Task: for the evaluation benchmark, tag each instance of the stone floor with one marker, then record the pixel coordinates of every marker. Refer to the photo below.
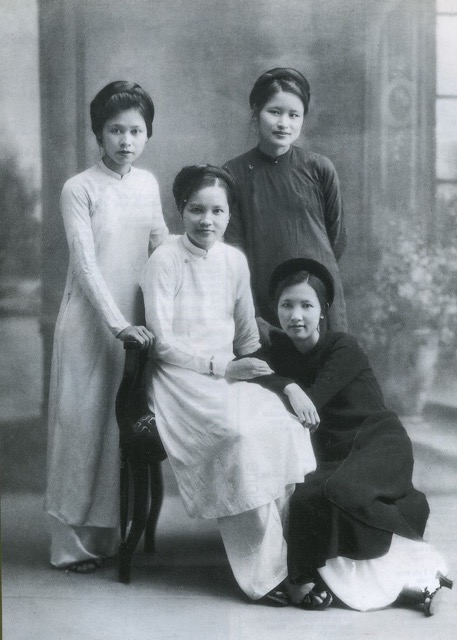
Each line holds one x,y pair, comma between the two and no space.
186,591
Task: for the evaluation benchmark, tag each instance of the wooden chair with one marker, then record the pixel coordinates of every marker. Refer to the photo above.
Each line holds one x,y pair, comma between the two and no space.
141,486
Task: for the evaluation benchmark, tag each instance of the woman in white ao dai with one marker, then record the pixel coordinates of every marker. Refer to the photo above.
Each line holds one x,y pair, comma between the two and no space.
234,448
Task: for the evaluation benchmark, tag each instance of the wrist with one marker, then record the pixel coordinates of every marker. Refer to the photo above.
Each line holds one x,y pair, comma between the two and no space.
290,388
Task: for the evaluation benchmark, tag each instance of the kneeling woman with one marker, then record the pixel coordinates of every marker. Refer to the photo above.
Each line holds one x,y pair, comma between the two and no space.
357,522
235,450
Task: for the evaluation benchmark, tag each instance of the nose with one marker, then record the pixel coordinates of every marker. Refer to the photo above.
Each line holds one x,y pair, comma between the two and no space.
283,121
206,219
296,313
125,140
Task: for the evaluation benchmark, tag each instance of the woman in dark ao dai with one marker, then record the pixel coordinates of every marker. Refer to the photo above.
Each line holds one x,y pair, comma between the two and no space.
356,523
289,198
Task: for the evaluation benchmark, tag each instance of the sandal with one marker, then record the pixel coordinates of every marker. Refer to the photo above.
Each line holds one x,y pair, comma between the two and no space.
317,599
85,566
277,597
429,597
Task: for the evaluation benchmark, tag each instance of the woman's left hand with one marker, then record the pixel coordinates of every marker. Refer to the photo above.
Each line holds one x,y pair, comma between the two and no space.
303,407
247,368
137,333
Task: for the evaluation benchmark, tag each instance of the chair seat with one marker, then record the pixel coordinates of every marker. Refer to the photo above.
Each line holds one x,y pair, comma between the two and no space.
143,439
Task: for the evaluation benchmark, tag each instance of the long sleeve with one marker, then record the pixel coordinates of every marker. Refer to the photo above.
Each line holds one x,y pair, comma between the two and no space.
160,280
159,230
246,331
334,220
75,208
235,233
343,363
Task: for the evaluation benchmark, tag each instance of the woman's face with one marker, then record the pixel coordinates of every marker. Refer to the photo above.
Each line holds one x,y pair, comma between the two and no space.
123,138
206,216
279,123
299,313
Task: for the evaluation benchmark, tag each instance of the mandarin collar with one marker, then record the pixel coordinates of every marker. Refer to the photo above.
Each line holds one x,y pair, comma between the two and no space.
314,349
102,166
192,248
274,159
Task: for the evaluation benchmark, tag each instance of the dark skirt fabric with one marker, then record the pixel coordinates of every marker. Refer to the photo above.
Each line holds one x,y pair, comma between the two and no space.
351,507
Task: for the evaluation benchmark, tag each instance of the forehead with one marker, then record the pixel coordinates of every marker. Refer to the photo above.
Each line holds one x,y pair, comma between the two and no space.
127,118
285,100
301,291
209,194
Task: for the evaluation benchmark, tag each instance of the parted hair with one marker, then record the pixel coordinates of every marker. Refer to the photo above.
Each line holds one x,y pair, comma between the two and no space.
120,96
298,270
194,177
279,79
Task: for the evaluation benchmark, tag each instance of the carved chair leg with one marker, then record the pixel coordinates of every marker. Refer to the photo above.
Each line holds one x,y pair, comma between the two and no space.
139,471
124,494
156,484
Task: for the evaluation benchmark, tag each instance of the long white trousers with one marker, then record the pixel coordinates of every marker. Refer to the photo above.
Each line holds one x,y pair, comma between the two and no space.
256,547
74,544
408,566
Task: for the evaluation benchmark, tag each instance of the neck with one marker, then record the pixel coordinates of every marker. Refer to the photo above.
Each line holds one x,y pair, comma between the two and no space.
306,345
120,170
271,150
199,246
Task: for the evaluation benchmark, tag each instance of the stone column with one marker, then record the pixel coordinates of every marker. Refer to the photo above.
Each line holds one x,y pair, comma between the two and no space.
62,81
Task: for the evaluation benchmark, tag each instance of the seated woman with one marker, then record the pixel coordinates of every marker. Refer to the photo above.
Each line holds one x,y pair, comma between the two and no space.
235,450
357,522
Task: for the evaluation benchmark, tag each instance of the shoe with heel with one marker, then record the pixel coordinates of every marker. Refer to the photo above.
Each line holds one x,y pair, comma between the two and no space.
431,597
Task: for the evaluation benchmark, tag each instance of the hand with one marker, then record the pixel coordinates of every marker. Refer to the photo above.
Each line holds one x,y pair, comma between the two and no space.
247,368
303,407
265,331
137,334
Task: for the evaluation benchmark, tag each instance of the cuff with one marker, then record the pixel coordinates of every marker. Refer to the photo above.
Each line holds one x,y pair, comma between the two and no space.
219,365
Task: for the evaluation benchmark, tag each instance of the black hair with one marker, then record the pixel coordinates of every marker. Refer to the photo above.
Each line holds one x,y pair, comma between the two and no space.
194,177
120,96
297,278
275,80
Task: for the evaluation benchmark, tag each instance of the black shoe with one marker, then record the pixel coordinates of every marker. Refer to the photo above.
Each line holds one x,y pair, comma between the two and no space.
430,597
277,597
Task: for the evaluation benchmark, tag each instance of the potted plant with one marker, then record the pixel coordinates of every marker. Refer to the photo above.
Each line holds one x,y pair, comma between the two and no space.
407,311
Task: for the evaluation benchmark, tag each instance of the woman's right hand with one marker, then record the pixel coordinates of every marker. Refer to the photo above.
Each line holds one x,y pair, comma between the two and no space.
246,369
137,333
303,407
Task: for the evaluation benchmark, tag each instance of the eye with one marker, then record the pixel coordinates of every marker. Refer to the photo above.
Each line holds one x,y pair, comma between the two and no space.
114,130
294,115
135,132
274,112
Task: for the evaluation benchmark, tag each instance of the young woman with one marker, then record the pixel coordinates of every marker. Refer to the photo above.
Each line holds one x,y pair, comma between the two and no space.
113,219
235,450
289,198
357,522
